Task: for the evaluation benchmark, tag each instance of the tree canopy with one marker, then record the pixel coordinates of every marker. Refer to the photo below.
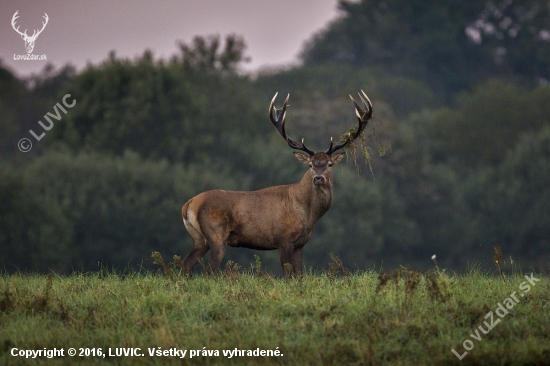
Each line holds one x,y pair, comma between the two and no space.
448,44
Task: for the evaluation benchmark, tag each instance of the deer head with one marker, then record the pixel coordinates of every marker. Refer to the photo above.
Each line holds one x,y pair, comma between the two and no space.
29,40
320,163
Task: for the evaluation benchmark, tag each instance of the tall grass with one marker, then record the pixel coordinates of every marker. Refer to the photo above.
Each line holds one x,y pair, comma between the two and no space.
336,317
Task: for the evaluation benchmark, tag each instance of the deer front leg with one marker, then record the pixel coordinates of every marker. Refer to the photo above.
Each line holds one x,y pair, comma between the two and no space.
285,253
297,261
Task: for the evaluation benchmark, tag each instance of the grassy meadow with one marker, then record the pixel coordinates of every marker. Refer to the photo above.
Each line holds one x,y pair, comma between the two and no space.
336,317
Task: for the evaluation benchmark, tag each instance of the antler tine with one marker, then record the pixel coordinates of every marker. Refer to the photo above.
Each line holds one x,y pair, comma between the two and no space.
357,108
279,122
280,115
363,117
13,20
369,106
46,18
330,147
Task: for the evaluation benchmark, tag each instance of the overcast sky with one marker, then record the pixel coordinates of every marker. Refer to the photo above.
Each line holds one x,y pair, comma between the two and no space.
79,32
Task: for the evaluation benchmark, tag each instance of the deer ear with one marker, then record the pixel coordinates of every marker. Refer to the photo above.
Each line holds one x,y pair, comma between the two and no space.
302,157
337,157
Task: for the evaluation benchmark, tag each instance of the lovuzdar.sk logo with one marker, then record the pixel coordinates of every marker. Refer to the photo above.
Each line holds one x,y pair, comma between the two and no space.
29,40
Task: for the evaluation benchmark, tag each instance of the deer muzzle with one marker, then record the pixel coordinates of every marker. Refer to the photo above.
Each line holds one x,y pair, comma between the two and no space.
319,180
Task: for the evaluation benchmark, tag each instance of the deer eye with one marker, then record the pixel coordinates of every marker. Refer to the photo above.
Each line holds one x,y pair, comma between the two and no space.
330,164
310,165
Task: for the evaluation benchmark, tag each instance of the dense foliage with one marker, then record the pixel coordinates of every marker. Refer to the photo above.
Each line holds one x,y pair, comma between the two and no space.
469,142
449,44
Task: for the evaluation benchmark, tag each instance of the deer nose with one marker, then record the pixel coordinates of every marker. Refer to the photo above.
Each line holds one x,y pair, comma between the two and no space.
319,180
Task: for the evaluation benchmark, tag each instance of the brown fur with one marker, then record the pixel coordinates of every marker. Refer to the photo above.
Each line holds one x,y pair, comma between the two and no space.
280,217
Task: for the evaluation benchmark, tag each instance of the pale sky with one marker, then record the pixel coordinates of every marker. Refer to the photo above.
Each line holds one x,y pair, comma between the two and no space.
80,32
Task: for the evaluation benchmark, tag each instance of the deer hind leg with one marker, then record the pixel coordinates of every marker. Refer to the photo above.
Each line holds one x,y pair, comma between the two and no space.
216,236
191,259
216,224
216,257
200,245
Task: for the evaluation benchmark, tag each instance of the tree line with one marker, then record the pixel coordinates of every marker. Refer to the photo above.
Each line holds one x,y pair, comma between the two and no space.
467,170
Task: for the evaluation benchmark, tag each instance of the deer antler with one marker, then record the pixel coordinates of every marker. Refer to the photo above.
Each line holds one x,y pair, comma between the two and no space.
13,19
279,122
46,18
24,34
363,117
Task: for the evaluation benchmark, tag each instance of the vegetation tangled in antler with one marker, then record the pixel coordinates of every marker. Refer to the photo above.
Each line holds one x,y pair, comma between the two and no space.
357,138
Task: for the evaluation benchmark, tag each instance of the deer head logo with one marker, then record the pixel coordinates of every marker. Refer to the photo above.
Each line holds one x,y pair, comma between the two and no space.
29,41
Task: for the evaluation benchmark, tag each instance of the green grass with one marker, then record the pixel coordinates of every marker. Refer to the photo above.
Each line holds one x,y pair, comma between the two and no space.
400,318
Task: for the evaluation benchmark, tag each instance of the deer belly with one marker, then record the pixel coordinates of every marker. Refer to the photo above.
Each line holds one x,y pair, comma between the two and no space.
258,242
255,238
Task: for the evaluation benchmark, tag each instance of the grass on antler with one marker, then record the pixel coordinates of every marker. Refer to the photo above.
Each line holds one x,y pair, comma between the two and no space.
361,144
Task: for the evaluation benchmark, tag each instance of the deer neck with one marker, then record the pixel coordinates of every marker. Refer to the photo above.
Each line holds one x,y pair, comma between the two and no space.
313,200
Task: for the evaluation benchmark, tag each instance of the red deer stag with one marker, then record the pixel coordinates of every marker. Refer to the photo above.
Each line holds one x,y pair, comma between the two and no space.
280,217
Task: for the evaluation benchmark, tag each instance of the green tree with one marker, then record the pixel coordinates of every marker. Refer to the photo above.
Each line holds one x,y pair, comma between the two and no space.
510,204
429,193
488,123
129,105
34,233
204,55
12,94
448,44
121,209
182,110
515,37
366,222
